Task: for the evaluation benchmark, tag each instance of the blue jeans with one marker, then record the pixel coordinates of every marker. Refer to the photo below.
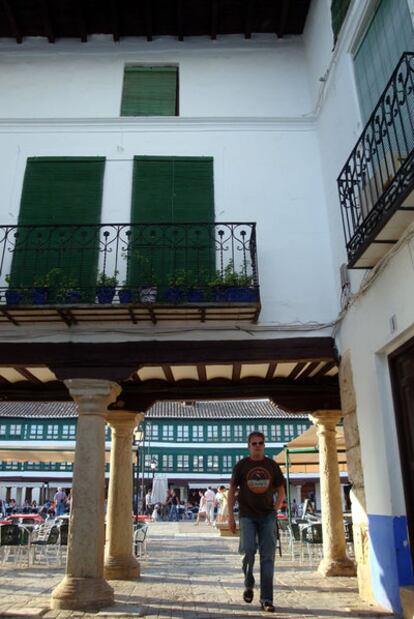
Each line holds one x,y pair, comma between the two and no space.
173,513
259,533
60,508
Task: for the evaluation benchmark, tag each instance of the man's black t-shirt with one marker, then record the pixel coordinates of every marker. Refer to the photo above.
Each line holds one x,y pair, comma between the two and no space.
257,481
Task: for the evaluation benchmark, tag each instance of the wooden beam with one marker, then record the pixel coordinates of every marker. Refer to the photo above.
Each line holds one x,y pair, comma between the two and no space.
283,18
296,370
168,373
247,19
114,19
180,20
27,374
325,369
148,19
312,366
83,32
47,21
201,371
17,33
236,372
271,370
214,19
291,395
122,355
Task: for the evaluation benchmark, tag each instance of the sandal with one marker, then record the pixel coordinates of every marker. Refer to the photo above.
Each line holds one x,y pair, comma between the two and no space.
267,607
248,595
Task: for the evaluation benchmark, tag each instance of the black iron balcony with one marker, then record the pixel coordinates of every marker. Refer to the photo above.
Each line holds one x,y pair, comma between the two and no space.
134,272
377,181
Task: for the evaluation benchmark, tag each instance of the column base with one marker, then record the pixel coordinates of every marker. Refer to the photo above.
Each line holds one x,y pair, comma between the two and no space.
343,567
74,593
122,567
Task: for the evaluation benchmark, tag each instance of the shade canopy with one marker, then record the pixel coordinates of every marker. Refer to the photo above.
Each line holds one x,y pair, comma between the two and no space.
305,460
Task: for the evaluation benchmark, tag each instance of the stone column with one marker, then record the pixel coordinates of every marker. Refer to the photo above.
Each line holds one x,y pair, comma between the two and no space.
335,561
84,587
120,563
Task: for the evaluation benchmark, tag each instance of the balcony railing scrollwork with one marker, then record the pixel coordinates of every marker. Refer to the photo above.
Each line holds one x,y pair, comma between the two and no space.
129,264
379,173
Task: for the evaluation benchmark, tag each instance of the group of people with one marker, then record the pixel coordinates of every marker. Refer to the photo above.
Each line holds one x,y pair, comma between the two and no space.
213,506
48,509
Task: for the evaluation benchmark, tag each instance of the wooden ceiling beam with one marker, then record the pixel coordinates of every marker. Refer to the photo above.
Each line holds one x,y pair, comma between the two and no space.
180,20
247,19
236,372
281,29
325,369
214,19
114,20
47,21
168,373
202,373
312,366
271,370
83,31
27,374
148,19
17,33
296,370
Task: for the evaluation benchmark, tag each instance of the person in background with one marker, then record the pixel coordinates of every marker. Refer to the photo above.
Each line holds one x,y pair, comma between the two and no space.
261,492
221,500
210,498
201,507
60,499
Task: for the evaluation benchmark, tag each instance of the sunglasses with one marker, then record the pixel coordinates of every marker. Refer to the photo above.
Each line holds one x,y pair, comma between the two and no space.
257,443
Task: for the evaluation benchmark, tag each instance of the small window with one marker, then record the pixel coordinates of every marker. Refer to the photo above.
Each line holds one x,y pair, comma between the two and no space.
213,463
212,433
36,431
2,430
227,463
68,431
150,91
167,462
52,431
15,429
198,463
226,432
198,433
182,433
183,462
168,433
276,432
238,433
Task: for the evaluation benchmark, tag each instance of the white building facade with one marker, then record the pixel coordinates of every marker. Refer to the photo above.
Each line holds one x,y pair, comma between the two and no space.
277,118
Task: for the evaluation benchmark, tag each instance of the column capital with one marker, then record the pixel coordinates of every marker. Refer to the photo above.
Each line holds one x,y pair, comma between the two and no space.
326,418
123,420
92,396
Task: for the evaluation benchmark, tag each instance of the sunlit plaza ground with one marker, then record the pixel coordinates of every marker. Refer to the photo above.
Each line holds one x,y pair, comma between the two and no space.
191,572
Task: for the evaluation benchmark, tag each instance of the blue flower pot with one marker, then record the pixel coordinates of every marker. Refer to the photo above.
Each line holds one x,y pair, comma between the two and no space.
39,296
195,295
105,294
73,296
125,296
13,297
174,294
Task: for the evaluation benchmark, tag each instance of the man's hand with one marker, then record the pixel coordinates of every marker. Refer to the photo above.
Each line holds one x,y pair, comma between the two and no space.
232,523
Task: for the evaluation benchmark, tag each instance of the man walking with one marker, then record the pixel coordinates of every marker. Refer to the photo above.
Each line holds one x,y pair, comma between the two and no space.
261,493
210,498
60,499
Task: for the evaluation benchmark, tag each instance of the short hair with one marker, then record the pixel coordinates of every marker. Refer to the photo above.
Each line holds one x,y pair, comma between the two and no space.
253,434
222,487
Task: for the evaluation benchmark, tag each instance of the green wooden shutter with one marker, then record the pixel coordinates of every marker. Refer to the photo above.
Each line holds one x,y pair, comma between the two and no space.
389,34
59,191
149,91
339,9
173,190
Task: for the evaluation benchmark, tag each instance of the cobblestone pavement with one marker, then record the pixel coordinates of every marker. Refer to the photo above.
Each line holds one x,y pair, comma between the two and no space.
191,573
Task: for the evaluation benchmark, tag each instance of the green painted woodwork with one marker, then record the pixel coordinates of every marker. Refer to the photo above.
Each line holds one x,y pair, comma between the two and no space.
171,190
389,34
56,191
150,91
339,9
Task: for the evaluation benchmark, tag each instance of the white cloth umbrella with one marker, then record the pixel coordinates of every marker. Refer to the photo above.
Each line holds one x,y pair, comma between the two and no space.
159,490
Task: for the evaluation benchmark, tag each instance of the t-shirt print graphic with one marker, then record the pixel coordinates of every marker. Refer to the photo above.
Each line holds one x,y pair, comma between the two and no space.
258,480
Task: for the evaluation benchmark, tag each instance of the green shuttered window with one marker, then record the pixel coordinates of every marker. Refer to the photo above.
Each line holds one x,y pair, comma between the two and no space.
150,91
339,9
59,190
174,190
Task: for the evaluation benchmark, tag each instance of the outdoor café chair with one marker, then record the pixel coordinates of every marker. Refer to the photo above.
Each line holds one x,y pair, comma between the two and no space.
311,539
14,541
45,544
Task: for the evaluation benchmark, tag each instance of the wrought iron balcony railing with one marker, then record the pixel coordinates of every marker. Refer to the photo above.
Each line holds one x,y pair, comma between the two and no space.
378,176
203,263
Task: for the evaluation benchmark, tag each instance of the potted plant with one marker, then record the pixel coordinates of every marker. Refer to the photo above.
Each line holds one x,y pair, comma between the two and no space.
13,296
176,286
45,286
125,293
195,288
105,287
232,286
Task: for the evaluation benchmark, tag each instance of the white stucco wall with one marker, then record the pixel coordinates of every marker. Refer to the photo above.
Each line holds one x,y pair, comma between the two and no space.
266,154
264,76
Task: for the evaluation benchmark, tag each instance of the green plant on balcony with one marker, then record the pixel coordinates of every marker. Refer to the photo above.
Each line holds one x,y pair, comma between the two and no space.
55,286
231,285
105,286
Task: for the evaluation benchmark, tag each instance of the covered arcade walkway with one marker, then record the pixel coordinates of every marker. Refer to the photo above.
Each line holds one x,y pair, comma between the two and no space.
191,573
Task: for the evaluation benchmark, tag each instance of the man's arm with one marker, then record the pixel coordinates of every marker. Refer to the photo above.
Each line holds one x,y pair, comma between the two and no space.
230,505
280,491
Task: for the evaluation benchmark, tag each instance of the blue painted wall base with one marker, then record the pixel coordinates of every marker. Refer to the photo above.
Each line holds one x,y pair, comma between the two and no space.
390,559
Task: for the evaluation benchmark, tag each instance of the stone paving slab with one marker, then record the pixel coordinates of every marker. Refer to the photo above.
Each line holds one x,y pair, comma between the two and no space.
191,573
